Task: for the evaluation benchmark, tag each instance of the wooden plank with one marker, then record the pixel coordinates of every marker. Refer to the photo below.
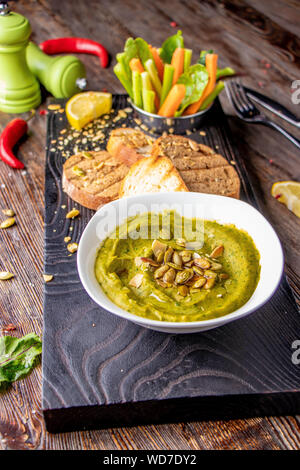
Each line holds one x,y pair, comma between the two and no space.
21,423
101,371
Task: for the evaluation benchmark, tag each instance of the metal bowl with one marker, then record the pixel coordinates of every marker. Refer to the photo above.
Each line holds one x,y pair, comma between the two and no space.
178,125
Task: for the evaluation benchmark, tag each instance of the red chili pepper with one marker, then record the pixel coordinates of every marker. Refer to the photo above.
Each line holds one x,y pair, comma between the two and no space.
73,45
8,139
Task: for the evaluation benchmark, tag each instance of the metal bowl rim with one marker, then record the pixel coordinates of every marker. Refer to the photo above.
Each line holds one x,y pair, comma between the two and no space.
156,116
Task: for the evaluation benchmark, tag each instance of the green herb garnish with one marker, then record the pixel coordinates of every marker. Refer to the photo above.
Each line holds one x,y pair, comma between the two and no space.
18,356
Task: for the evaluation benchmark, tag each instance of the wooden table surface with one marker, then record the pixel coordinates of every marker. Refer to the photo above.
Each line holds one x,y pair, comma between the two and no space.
259,39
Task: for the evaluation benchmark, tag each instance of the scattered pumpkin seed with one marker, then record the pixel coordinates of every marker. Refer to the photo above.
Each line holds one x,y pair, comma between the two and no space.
54,107
8,212
8,222
67,239
72,247
47,277
5,275
72,214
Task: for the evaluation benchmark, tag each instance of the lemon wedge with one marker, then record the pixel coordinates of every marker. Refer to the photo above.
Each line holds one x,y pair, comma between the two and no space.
87,106
288,192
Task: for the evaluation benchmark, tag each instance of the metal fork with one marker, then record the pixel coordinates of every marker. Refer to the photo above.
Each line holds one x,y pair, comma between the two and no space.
248,112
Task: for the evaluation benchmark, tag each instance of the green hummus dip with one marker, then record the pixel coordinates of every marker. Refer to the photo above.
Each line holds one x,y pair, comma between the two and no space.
124,268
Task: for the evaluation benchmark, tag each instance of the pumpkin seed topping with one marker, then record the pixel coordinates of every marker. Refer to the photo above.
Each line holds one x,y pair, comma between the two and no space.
186,270
218,251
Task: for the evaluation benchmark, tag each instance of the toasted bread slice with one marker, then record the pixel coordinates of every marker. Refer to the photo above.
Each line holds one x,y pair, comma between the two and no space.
129,145
200,167
93,181
152,175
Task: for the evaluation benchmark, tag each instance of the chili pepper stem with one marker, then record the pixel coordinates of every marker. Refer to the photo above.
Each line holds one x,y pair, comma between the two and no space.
33,113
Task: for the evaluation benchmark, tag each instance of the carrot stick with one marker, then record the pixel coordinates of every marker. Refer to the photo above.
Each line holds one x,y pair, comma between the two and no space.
136,65
172,101
158,62
178,63
211,61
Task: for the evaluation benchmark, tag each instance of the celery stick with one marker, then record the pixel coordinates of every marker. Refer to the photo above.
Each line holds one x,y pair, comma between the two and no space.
121,58
167,82
187,59
148,100
227,72
137,89
218,88
151,69
121,74
146,82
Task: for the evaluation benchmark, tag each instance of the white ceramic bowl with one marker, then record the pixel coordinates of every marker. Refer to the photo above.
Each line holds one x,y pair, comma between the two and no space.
221,209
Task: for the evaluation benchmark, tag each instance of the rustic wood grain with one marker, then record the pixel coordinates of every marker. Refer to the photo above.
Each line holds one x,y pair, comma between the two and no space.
240,43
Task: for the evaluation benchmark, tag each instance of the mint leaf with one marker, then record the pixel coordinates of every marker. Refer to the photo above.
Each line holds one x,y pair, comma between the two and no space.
169,46
143,50
203,55
18,356
136,48
195,80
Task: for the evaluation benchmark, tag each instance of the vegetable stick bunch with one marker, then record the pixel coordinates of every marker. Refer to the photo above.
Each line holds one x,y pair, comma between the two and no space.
163,81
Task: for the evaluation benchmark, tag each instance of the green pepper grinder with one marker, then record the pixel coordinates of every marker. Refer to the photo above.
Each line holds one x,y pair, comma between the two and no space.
19,89
62,76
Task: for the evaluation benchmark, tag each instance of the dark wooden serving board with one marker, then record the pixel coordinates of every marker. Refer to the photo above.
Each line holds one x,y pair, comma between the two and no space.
103,371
